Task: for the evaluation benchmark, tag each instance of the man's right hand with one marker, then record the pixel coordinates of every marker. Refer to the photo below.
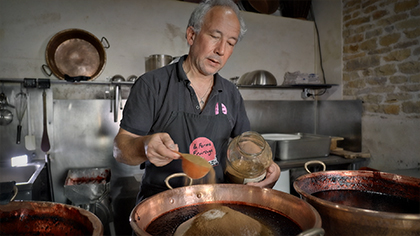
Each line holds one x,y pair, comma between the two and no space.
159,149
132,149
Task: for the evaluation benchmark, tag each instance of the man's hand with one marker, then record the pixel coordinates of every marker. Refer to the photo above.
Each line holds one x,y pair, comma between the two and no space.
132,149
159,149
273,174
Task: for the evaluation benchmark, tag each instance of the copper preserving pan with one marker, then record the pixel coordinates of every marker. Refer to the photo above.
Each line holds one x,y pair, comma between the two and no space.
175,202
345,218
261,6
75,53
47,218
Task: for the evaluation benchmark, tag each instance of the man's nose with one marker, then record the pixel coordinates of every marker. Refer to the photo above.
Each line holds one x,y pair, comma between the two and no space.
220,48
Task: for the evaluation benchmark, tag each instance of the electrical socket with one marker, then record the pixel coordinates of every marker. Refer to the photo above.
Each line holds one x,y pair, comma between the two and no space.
305,93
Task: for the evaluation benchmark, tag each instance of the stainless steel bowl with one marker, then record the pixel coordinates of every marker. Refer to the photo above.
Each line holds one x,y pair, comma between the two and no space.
258,77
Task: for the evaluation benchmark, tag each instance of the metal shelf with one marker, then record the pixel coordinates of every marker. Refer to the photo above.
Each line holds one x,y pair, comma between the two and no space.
71,83
294,86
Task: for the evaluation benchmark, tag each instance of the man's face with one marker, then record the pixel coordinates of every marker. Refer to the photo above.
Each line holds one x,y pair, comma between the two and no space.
213,45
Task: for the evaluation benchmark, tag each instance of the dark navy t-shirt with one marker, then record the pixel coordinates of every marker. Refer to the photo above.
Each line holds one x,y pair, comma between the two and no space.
154,96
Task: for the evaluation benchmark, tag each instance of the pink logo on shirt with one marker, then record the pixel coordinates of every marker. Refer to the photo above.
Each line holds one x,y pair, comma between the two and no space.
204,148
216,109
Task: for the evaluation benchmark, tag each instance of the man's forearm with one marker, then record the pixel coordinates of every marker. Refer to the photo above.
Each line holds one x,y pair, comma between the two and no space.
129,149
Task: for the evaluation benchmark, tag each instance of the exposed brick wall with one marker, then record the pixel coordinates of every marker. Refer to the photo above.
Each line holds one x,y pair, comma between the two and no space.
381,55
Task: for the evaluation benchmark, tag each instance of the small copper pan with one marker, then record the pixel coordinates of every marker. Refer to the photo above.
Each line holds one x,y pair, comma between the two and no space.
75,53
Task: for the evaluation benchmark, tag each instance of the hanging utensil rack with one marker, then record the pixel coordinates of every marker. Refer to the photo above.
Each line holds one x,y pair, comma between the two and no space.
34,82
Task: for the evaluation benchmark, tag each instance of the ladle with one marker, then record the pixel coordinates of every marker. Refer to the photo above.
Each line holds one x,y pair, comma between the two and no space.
194,166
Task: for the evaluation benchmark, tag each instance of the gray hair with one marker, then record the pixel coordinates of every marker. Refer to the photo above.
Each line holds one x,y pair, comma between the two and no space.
197,16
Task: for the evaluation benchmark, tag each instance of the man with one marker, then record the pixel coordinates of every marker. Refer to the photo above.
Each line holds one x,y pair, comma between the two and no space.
187,106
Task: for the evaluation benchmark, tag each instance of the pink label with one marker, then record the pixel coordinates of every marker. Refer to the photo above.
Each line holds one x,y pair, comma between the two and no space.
204,148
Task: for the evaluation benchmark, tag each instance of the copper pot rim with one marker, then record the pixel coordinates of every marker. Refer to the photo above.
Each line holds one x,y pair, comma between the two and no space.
36,205
214,193
74,34
343,208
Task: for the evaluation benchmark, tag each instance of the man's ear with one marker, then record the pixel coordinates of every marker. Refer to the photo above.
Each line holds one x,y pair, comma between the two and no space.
190,35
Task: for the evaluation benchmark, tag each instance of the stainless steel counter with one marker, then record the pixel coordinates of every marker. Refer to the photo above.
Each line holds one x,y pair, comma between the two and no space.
415,172
331,160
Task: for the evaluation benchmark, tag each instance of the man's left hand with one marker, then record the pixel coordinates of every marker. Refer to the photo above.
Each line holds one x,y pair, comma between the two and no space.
273,174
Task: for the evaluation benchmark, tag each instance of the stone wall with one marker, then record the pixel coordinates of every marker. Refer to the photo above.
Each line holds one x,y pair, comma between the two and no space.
381,66
381,55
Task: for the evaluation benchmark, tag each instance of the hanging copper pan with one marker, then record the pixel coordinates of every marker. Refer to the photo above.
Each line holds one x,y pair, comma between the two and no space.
162,213
261,6
75,53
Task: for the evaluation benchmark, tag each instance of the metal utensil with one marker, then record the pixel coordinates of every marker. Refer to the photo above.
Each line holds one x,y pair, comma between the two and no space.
117,95
30,138
21,104
45,141
6,116
194,166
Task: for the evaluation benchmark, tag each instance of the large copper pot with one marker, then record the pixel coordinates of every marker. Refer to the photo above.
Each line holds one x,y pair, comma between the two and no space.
304,215
47,218
339,219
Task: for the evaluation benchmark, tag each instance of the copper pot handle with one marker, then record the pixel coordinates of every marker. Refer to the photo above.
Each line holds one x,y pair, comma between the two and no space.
45,69
315,162
105,43
313,232
177,175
